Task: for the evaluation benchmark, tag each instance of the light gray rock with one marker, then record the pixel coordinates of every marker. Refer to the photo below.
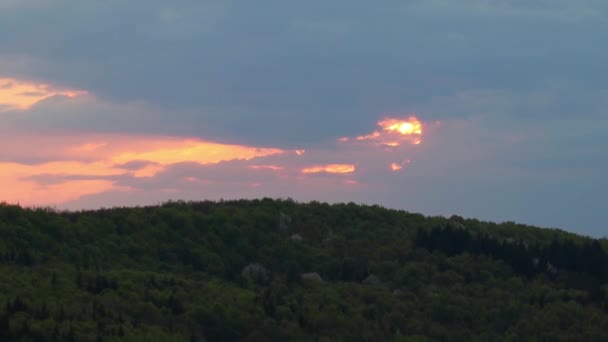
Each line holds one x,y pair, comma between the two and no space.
456,225
371,280
255,271
551,269
313,277
296,238
284,221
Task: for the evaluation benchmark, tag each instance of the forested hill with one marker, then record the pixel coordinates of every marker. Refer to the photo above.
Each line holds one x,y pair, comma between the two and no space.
277,270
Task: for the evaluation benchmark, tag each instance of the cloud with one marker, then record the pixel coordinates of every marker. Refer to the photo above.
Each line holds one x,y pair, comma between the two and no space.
476,167
517,86
174,165
21,95
252,73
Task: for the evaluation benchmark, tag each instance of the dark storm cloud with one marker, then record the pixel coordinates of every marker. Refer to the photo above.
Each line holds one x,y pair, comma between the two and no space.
254,71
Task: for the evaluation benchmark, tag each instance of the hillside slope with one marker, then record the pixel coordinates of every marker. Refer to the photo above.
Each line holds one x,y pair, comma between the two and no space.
279,270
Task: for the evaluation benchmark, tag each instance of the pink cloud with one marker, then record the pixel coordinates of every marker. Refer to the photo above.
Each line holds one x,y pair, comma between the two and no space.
21,95
72,168
64,170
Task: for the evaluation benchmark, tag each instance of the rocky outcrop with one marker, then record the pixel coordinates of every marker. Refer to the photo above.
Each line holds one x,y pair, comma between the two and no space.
371,280
284,221
456,225
312,277
255,272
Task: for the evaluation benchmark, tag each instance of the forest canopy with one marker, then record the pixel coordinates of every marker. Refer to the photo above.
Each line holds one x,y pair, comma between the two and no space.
264,270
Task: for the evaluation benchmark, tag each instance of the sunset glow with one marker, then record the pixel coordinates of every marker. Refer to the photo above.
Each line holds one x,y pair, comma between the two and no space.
21,95
267,167
197,151
369,136
399,166
216,100
91,164
330,168
20,183
68,166
394,132
406,127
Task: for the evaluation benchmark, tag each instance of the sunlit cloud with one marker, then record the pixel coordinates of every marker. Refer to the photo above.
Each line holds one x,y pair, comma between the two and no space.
55,168
399,166
396,137
89,147
330,168
86,165
394,132
19,183
21,95
405,127
100,163
197,151
267,167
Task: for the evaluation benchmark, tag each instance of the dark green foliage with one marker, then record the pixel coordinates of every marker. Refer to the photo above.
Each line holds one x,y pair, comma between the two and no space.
175,273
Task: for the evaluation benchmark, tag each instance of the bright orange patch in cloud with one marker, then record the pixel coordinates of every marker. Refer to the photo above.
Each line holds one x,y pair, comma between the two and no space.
399,166
300,152
330,168
406,127
394,132
267,167
22,95
196,151
369,136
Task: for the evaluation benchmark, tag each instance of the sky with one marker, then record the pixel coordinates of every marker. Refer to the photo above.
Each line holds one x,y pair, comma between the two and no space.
490,109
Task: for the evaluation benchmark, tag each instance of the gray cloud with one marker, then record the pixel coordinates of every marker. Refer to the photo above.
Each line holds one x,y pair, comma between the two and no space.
519,85
254,71
135,165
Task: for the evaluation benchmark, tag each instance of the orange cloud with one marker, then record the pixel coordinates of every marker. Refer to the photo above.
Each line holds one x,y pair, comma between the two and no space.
88,163
399,166
330,168
267,167
367,137
196,151
406,127
21,95
394,132
89,147
17,185
54,169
